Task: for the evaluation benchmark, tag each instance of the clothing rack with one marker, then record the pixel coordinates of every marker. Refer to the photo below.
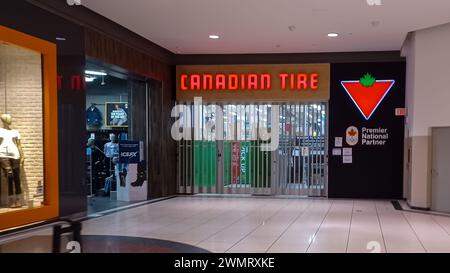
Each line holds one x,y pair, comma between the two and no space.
91,195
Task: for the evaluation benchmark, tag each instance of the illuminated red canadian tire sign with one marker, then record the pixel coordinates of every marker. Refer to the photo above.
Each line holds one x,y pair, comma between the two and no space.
367,93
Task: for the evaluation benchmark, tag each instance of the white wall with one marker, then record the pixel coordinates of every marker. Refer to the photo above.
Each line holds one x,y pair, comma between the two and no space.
428,80
427,99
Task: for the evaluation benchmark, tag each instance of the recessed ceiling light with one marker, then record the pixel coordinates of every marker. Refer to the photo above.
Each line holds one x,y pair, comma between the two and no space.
60,38
333,35
214,36
374,2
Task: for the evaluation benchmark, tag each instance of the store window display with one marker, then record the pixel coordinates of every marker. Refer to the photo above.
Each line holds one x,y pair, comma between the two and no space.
29,182
101,162
11,160
107,120
122,100
21,132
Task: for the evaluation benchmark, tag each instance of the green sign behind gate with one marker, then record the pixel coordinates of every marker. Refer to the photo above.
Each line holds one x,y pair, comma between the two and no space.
205,164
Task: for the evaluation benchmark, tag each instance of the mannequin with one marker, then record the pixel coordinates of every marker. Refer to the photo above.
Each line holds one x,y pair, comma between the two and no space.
111,148
11,159
91,145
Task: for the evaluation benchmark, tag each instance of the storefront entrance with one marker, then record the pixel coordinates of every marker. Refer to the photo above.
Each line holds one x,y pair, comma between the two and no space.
237,163
117,149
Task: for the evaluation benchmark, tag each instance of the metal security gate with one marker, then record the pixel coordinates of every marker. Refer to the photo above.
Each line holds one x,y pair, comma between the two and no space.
221,150
197,151
246,168
302,153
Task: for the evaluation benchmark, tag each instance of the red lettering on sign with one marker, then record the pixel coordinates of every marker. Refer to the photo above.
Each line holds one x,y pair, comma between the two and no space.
302,81
75,82
59,79
195,82
266,82
233,82
220,82
292,82
243,82
283,78
208,81
252,82
183,82
314,81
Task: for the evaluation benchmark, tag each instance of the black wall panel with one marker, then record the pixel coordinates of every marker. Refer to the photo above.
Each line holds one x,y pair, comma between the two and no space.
377,170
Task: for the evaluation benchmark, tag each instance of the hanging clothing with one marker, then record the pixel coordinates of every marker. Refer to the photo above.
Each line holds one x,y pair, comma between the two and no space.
94,117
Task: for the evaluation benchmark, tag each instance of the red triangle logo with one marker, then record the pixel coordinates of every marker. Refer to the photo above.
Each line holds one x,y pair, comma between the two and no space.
367,99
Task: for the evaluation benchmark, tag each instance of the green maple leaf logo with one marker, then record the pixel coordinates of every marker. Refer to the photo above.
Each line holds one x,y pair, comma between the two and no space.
367,80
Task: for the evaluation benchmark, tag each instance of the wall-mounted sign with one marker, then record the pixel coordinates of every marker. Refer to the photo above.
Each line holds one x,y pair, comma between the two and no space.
288,82
352,135
374,136
401,112
347,159
338,141
361,110
347,151
367,93
116,114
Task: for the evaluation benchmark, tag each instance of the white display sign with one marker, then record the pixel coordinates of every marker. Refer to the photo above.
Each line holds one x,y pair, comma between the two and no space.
338,141
347,151
131,182
305,151
347,159
337,151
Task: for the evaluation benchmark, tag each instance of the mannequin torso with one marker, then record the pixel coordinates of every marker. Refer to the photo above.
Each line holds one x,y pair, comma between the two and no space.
9,143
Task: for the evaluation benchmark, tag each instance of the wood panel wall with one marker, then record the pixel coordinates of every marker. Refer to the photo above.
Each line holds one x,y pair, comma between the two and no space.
162,148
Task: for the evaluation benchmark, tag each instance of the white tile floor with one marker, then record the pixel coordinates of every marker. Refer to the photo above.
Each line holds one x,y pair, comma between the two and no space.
280,225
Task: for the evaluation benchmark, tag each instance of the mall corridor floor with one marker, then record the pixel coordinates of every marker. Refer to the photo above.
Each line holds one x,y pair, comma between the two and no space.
257,224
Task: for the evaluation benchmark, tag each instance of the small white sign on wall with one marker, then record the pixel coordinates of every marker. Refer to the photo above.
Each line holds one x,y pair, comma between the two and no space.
347,159
337,151
347,151
338,141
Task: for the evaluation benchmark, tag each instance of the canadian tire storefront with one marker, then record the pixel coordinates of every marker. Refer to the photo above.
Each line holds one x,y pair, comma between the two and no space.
330,130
